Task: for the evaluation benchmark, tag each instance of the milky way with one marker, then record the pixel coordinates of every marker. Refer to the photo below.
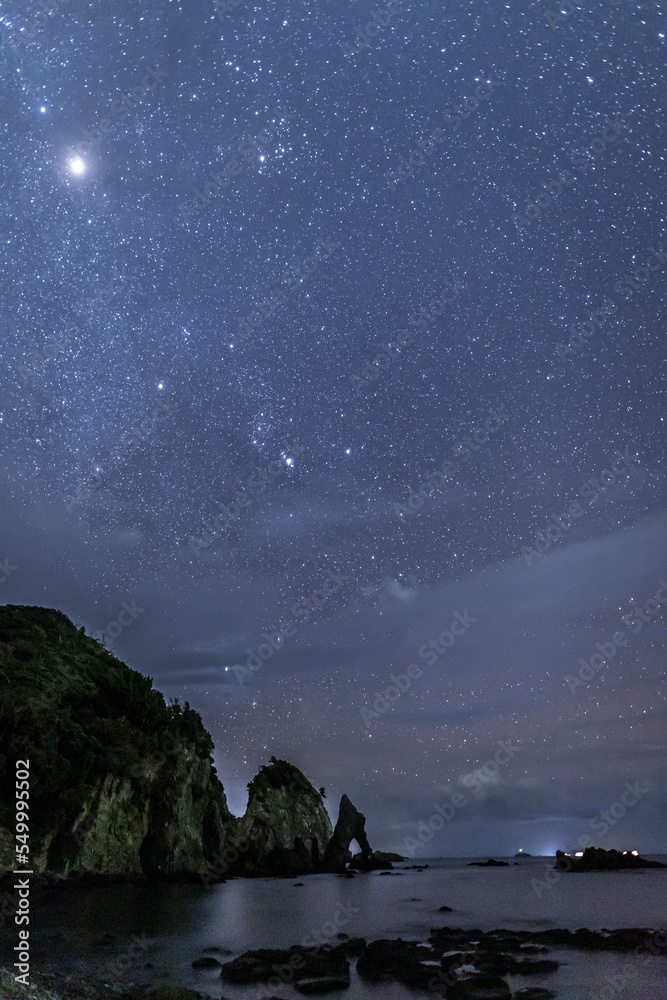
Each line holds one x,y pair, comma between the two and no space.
333,394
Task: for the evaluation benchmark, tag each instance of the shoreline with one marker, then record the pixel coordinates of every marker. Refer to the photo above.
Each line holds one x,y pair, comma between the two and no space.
451,955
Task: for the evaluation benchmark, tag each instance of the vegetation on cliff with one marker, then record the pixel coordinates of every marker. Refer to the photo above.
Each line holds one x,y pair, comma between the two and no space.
280,774
80,715
122,783
76,711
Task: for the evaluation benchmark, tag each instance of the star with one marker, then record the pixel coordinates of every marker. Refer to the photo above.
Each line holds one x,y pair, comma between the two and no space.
77,165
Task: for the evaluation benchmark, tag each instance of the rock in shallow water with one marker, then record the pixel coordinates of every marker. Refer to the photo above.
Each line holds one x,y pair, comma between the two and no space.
207,962
161,993
296,963
255,966
480,988
322,984
404,961
539,967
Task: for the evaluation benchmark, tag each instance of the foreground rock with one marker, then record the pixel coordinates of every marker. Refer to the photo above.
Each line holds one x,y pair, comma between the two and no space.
596,859
523,942
323,984
480,988
296,965
444,965
406,962
161,993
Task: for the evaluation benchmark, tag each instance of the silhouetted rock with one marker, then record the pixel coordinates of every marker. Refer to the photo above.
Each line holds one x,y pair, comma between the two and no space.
500,941
160,993
285,823
596,859
480,988
353,946
383,856
351,825
255,966
538,968
491,863
305,964
207,962
445,909
405,962
322,984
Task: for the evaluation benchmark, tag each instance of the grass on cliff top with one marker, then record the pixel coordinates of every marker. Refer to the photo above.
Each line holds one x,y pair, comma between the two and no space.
77,713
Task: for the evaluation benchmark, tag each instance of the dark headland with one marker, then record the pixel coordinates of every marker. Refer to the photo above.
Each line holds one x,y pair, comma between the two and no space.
123,785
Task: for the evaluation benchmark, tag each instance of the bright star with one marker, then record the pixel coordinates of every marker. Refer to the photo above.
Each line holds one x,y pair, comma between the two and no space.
77,165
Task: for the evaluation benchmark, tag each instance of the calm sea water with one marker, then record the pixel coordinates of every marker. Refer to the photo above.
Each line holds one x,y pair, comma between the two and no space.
102,929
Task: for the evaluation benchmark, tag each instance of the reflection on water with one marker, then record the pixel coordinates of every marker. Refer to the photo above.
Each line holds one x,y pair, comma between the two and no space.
119,930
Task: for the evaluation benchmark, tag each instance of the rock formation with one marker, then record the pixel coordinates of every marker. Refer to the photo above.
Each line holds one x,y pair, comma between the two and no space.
121,784
596,859
286,822
351,825
491,863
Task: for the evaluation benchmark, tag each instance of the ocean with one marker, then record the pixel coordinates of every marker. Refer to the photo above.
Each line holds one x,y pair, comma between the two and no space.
152,933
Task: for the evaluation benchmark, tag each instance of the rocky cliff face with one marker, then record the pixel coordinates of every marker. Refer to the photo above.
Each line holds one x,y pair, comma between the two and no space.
120,783
286,820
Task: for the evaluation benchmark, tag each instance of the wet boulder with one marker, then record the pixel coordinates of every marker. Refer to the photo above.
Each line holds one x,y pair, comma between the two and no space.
255,966
480,987
322,984
405,962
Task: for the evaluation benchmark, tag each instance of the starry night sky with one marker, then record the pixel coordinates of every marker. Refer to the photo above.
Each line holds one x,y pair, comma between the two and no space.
215,217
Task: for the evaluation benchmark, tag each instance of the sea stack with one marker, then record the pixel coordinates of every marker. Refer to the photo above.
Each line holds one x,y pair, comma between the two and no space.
286,822
351,825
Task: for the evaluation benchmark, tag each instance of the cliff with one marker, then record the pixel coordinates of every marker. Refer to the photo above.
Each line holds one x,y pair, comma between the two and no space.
121,783
286,821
